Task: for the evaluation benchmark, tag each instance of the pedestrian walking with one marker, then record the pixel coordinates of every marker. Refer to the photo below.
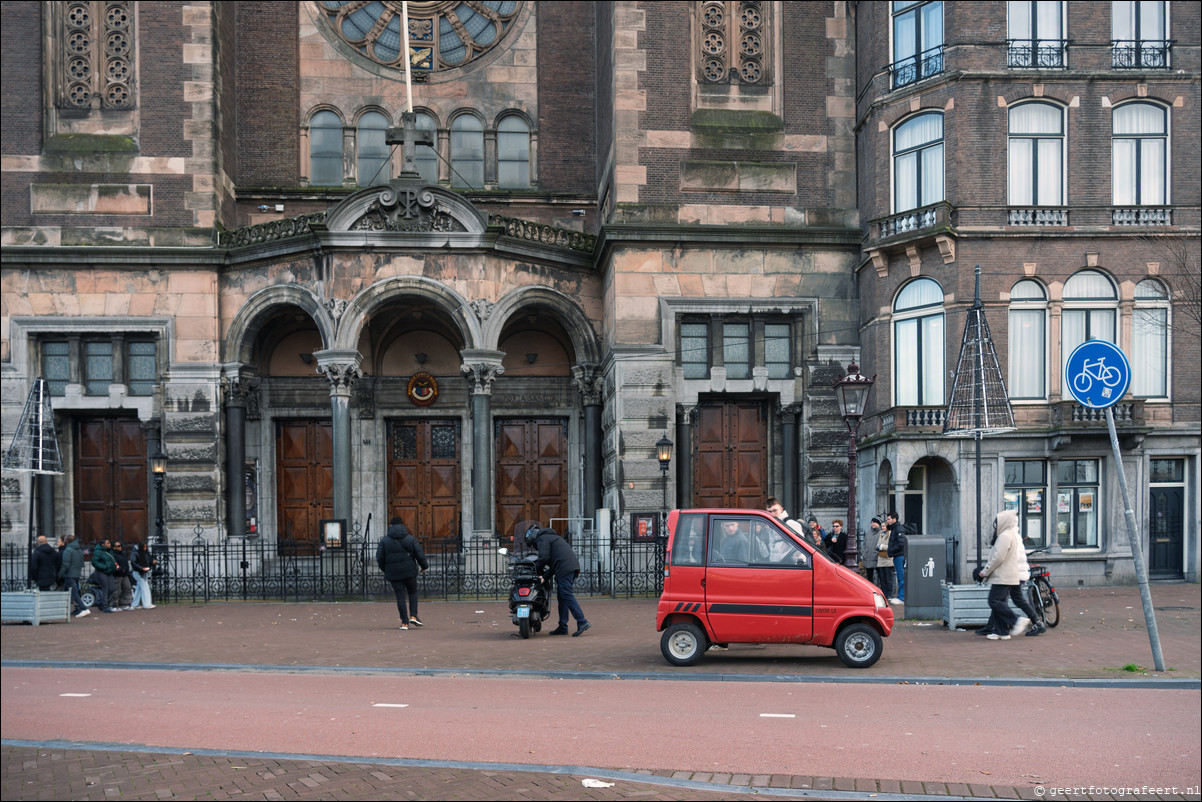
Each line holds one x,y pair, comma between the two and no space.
43,565
1003,571
400,557
556,553
141,564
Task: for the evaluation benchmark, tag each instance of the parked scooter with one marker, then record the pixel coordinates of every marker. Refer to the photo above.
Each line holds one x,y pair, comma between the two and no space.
529,602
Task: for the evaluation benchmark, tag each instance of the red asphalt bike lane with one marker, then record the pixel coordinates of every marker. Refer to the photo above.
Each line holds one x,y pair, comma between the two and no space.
1018,736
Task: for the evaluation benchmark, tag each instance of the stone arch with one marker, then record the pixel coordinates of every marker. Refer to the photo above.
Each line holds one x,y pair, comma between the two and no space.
245,327
421,204
360,309
562,308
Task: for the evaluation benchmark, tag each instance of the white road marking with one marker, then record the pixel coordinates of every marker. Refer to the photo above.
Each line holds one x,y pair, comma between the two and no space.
778,715
385,704
77,695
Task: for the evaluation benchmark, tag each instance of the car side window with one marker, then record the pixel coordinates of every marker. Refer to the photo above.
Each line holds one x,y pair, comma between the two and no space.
688,545
729,541
780,549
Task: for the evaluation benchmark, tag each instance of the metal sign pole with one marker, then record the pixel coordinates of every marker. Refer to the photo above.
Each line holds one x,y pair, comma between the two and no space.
1137,554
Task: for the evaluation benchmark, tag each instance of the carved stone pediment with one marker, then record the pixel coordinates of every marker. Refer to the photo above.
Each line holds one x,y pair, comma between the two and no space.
406,205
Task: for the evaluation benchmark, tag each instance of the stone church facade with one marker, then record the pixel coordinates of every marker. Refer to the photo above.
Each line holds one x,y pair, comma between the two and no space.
604,224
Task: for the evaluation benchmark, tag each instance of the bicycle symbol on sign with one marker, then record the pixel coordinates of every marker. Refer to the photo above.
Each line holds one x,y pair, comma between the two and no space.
1097,370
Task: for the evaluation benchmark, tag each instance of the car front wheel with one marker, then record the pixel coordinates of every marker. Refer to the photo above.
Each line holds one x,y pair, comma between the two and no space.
858,646
683,643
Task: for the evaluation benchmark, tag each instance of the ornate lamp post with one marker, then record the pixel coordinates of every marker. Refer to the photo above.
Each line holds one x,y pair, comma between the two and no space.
663,452
852,392
158,466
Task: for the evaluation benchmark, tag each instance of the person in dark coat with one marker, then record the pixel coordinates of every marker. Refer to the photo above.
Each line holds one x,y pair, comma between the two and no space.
104,565
69,570
399,556
555,553
43,565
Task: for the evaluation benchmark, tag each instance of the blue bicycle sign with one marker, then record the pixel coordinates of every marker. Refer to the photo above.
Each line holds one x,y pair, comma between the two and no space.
1097,374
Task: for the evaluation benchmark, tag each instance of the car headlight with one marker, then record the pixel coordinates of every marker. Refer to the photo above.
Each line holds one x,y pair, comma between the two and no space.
879,601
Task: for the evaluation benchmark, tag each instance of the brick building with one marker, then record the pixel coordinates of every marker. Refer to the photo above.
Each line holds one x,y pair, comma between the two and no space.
226,238
1055,146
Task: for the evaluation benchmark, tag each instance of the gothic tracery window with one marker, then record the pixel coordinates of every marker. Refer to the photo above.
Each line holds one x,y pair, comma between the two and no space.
95,55
443,35
733,43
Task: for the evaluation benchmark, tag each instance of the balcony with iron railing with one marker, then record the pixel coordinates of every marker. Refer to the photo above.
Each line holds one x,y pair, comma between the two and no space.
1145,54
1040,54
914,68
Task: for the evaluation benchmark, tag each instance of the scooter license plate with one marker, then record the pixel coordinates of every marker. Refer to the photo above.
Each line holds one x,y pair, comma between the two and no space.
523,611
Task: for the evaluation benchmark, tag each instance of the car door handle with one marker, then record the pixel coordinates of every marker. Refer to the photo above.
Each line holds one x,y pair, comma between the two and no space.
702,581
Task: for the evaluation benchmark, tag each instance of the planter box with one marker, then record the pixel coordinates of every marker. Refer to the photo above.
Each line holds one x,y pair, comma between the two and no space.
35,607
965,605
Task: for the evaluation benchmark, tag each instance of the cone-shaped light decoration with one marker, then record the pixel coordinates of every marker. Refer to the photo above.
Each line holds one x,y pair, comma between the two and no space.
35,445
979,401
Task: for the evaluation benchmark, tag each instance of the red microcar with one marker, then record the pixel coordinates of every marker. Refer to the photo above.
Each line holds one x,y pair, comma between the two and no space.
742,576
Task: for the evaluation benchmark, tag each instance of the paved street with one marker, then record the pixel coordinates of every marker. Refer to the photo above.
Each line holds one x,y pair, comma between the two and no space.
1098,648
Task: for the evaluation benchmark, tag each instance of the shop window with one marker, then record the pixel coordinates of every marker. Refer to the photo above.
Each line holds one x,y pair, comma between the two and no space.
1077,503
1026,493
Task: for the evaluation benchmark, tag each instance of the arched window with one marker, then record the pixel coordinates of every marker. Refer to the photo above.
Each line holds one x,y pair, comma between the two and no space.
373,151
1090,304
325,149
467,152
1028,341
918,345
426,157
918,162
513,153
1150,341
1141,155
1036,155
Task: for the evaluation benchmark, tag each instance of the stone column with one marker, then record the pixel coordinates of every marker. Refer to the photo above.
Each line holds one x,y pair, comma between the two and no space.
790,455
587,380
341,368
481,368
685,422
235,389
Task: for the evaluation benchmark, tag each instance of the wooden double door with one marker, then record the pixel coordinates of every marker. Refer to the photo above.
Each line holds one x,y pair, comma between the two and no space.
304,480
531,472
731,454
111,480
424,473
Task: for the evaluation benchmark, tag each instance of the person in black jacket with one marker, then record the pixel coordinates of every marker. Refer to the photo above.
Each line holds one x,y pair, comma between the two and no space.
399,555
555,552
43,565
898,541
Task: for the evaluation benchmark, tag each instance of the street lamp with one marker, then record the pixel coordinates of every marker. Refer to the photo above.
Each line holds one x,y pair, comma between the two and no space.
663,452
852,392
158,466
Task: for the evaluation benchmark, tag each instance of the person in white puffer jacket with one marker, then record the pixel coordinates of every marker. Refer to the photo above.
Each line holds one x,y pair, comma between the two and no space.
1004,572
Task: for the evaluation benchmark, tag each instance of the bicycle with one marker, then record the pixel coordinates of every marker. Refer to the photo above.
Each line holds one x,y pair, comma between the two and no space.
1042,594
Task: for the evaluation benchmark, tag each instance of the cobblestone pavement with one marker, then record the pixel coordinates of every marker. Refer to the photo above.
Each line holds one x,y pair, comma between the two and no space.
1102,640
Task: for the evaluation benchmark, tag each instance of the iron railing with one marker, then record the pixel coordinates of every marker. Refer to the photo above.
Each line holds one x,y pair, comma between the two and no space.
914,68
260,569
1036,53
1147,54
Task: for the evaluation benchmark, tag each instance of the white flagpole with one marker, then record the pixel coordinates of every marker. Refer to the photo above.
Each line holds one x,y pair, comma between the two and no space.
405,50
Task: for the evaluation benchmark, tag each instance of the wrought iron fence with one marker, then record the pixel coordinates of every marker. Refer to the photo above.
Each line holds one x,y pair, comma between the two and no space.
197,571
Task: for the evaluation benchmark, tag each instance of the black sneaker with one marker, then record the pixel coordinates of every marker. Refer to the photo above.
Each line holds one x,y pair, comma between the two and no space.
580,630
1038,629
559,631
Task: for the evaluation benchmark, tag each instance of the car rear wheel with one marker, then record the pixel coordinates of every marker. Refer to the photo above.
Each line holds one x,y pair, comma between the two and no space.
683,643
858,646
88,597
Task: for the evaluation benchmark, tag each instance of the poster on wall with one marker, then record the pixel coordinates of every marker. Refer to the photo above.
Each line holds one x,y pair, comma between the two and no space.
1064,502
644,526
1010,500
1086,503
1034,502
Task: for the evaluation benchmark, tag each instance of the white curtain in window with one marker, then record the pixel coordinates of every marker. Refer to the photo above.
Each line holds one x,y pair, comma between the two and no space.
932,25
905,372
932,175
923,292
1123,20
1072,334
905,179
1088,284
1047,20
1051,170
1151,21
1027,353
1019,15
904,36
1149,344
1152,173
1022,164
1124,177
932,361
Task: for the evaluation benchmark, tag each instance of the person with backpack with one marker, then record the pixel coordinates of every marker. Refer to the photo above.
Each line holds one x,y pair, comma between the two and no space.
897,550
399,555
